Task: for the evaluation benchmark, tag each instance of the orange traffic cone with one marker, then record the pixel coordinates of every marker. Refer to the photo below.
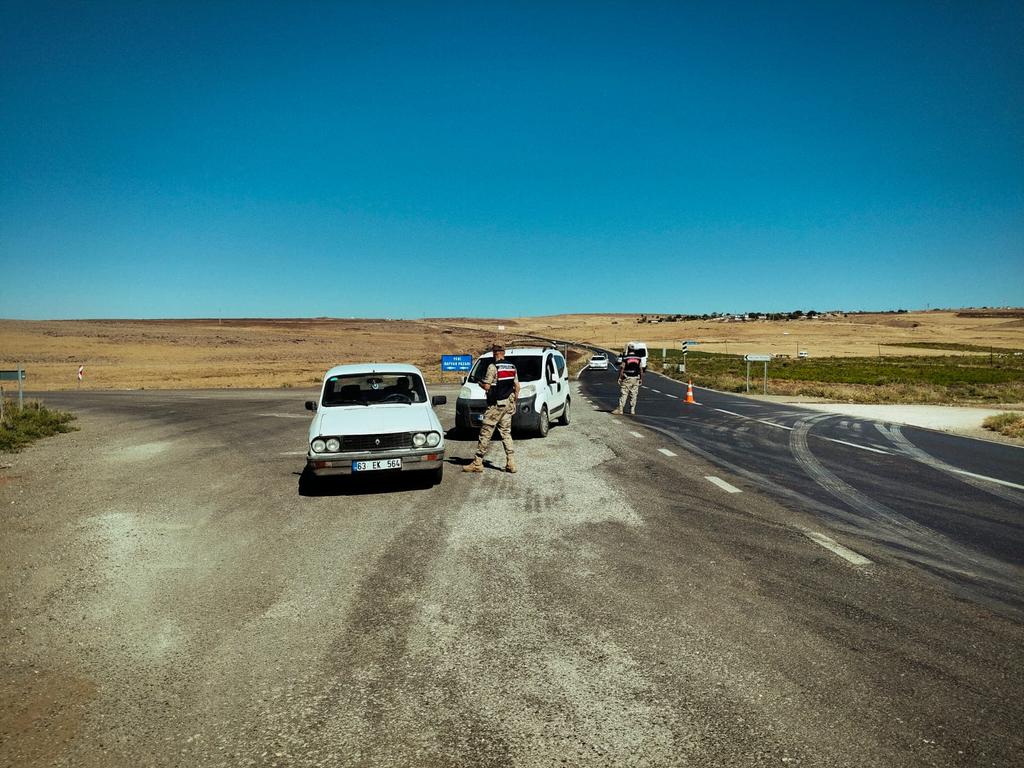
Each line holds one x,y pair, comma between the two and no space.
689,393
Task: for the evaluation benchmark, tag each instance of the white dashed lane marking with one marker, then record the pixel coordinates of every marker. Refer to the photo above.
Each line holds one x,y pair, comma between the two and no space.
722,484
666,451
833,546
674,397
656,390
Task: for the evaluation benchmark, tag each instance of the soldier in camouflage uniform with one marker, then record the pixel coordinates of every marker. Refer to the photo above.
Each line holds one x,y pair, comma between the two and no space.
631,374
501,383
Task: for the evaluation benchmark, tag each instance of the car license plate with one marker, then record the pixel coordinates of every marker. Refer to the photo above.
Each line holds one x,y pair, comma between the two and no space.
369,466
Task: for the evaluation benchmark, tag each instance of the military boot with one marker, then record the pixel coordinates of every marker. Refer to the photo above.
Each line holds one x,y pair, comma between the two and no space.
617,412
510,465
476,466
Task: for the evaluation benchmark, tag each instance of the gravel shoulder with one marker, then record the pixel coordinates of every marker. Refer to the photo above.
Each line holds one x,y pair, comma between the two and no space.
171,599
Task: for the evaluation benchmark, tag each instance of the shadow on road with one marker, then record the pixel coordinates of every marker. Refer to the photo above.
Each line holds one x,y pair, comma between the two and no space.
377,483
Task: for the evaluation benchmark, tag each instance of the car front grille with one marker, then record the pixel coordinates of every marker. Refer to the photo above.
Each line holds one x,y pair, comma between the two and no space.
376,442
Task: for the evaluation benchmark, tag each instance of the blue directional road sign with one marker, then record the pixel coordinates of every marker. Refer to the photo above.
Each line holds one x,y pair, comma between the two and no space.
456,362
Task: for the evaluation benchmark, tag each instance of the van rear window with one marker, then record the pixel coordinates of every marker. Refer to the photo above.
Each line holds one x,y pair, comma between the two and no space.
527,366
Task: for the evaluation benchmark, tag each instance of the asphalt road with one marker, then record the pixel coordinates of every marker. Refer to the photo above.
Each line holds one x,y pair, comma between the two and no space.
950,504
171,599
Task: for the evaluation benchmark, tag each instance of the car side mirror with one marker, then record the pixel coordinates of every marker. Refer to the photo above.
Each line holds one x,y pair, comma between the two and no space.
465,379
439,400
310,405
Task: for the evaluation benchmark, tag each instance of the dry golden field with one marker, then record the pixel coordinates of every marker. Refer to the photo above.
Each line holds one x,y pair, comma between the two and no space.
192,354
186,354
856,335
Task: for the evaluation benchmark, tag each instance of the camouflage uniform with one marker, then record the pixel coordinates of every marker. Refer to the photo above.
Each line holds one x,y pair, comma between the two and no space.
631,373
629,389
498,414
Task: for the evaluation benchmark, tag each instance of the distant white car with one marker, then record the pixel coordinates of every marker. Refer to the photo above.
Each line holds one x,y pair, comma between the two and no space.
375,417
598,362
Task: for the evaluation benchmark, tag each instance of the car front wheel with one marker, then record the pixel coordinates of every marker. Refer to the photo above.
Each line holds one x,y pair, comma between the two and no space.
564,418
544,425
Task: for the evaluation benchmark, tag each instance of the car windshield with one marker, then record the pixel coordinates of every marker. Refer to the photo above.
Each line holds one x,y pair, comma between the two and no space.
374,389
527,366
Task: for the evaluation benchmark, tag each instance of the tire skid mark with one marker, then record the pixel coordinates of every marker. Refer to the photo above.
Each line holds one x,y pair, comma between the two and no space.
922,544
895,436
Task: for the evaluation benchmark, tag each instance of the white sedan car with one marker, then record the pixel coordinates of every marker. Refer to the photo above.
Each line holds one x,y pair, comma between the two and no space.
599,362
375,418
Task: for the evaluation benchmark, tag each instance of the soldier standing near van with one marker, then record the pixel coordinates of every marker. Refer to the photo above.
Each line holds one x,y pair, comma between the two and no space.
631,374
501,383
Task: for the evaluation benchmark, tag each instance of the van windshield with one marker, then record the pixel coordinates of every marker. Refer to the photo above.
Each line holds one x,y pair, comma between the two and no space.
527,366
373,389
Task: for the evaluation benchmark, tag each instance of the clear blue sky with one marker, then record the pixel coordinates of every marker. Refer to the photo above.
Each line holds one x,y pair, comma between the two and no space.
203,159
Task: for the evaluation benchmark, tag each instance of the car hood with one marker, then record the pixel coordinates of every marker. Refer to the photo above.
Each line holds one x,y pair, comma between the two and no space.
373,419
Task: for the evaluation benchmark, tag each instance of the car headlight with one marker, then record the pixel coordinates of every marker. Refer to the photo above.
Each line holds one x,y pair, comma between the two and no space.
433,439
419,439
318,446
527,390
333,445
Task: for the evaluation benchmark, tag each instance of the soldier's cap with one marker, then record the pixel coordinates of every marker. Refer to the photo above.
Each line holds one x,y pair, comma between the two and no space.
496,347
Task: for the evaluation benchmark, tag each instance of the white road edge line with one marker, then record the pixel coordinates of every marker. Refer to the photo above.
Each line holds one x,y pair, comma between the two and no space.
636,434
854,445
666,451
773,424
989,479
833,546
830,439
720,410
722,484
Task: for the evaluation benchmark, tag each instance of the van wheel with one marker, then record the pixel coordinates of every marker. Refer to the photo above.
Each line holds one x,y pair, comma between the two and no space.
545,425
564,418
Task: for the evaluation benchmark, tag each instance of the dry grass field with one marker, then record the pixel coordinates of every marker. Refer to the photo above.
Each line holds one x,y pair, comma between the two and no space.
853,335
190,354
186,354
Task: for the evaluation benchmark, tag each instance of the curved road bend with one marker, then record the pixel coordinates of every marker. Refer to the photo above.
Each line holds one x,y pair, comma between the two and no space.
951,505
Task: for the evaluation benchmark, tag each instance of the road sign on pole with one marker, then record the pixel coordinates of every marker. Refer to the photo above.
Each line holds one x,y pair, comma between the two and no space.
758,359
18,375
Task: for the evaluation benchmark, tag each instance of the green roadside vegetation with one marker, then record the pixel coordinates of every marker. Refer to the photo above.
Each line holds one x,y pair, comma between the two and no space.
22,426
1009,424
941,379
